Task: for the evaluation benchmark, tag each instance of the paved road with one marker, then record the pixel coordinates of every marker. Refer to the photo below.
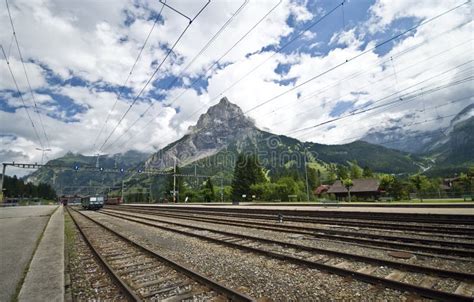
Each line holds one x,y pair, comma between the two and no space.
20,228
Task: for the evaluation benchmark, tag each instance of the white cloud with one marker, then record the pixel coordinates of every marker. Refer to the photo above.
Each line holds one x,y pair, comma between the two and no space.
91,41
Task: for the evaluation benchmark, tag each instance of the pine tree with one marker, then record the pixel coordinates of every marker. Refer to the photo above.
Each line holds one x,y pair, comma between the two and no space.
209,194
247,172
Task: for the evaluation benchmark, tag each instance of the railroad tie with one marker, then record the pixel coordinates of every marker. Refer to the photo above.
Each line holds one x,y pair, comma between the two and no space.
148,274
465,289
344,265
396,275
136,269
184,296
367,270
428,282
165,289
154,282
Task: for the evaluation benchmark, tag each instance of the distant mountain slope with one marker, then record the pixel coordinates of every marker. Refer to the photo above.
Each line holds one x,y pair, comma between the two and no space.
71,182
413,141
223,131
213,144
456,153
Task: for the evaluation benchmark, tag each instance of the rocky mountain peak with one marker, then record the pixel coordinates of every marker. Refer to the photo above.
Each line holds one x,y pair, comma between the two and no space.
223,115
222,124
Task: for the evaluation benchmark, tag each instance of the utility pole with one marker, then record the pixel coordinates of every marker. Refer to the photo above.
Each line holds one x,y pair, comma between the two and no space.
1,182
150,200
97,160
306,176
195,177
222,190
174,181
123,201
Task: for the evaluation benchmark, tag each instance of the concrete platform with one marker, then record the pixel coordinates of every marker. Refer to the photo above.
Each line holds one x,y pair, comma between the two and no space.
20,228
468,210
45,278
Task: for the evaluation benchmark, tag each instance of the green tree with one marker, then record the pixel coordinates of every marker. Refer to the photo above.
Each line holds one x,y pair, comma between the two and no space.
208,191
367,172
466,183
313,179
420,184
356,171
247,172
348,184
342,172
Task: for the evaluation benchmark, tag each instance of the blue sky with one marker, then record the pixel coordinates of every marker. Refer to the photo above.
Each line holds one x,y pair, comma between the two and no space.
78,56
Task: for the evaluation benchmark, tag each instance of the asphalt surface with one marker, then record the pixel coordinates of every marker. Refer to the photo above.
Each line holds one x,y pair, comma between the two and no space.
45,278
20,228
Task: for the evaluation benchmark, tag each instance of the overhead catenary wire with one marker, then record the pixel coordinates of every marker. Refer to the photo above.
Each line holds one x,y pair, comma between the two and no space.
388,142
405,98
21,97
412,123
152,76
395,37
181,73
122,87
360,72
256,67
33,97
326,88
353,58
280,49
214,64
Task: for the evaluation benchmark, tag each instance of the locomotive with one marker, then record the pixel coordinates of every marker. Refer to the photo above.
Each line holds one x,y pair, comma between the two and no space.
94,202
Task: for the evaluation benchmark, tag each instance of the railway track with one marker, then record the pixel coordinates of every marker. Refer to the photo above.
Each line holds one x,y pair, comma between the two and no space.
432,228
433,283
373,216
145,275
89,280
440,247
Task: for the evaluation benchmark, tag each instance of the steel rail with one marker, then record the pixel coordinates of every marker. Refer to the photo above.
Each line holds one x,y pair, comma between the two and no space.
395,217
220,288
347,236
379,225
423,291
127,290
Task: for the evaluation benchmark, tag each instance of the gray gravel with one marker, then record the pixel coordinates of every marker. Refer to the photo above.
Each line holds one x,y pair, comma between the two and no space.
89,281
258,276
462,266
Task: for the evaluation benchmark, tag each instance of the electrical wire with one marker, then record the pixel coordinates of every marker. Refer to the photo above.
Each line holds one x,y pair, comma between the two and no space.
405,98
354,57
152,76
21,97
128,76
176,78
27,78
326,88
301,33
216,62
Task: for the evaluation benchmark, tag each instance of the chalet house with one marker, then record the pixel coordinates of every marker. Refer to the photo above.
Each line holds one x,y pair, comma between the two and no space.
366,188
